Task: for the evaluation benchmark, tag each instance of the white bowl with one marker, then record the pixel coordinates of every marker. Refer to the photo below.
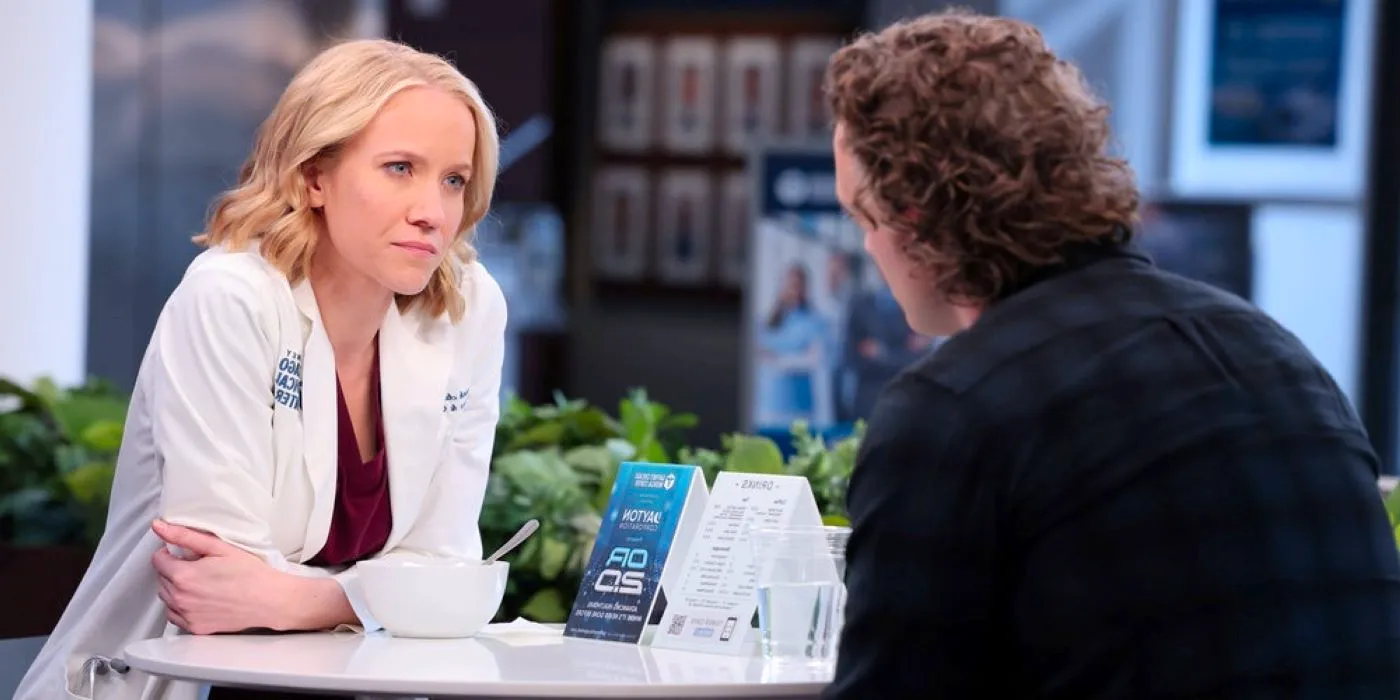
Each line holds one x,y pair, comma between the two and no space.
432,599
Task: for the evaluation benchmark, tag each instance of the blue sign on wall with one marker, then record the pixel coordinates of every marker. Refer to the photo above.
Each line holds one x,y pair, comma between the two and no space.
1276,72
798,183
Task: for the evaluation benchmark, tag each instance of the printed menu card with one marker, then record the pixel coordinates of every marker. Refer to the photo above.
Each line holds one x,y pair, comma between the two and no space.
713,602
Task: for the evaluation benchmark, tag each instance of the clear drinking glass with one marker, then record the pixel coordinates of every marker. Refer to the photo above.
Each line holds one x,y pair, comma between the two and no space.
801,592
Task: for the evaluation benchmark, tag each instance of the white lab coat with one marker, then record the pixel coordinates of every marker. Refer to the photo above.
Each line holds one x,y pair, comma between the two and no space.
233,430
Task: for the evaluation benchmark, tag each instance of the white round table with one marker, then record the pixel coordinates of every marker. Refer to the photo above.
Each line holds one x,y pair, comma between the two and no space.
499,665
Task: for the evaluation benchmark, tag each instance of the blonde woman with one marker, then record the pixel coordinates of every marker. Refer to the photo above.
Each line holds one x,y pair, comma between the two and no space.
321,387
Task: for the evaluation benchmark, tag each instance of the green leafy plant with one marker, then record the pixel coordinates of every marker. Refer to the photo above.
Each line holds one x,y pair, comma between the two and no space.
1392,508
58,451
567,483
827,466
557,463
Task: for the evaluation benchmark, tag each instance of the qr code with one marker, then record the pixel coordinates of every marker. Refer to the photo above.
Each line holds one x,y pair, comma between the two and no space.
677,624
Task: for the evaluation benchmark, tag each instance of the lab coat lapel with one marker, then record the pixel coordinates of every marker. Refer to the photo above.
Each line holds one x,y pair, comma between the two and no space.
319,420
415,358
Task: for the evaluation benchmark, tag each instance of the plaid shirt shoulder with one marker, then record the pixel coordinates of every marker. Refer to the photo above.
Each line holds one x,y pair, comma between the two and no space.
1120,483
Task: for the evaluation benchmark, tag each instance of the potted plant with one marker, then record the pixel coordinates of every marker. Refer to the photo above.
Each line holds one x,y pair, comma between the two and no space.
557,463
1390,495
58,451
827,466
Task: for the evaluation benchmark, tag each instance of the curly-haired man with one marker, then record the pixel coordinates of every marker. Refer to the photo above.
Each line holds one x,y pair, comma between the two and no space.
1110,482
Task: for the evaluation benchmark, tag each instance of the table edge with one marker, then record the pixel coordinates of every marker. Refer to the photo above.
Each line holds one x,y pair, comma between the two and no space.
502,689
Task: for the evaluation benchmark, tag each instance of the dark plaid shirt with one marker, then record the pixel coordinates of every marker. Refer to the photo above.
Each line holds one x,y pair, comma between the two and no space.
1119,484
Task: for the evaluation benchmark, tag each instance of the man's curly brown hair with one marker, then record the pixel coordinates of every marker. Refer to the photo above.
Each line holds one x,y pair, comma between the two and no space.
985,151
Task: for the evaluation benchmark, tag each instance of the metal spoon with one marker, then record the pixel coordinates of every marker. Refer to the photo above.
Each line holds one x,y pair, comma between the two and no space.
520,536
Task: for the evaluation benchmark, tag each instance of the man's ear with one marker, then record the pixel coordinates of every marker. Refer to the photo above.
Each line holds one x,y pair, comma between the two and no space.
315,191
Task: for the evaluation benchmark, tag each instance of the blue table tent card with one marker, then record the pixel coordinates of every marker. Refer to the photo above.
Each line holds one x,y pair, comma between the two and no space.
651,517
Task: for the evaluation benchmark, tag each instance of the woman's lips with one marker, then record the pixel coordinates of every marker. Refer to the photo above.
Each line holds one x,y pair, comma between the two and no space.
419,247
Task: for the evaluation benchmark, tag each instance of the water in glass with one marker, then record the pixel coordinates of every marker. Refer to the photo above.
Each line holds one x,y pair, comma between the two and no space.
801,594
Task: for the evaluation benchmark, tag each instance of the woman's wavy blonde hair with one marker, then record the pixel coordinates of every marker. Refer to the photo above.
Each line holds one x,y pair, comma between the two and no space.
330,101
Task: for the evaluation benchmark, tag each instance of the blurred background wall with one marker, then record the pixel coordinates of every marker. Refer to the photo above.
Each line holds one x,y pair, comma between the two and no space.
46,126
149,107
146,108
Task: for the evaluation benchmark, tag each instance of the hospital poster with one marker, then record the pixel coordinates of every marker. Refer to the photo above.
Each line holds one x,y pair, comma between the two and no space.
823,331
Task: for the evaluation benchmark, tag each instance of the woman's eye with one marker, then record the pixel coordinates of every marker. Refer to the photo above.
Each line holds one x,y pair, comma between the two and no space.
456,181
399,168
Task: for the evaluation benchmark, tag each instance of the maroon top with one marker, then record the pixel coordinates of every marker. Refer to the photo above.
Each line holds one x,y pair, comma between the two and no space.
362,518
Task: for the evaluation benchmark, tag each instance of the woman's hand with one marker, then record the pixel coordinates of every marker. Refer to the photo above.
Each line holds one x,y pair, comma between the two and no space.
219,588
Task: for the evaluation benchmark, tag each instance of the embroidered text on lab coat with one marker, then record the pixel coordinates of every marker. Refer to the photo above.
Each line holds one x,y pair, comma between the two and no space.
288,385
455,401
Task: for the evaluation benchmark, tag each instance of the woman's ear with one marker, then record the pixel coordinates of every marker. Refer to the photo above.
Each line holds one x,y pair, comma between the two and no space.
315,190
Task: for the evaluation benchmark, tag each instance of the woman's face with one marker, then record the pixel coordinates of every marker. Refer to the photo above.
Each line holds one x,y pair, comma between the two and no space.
393,197
793,286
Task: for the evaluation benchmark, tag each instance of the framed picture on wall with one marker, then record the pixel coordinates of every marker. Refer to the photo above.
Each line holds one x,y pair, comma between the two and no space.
684,226
736,218
627,99
1251,125
752,71
621,223
808,119
688,100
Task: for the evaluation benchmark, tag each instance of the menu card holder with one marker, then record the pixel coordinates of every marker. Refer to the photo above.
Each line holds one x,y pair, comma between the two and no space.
712,606
651,517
